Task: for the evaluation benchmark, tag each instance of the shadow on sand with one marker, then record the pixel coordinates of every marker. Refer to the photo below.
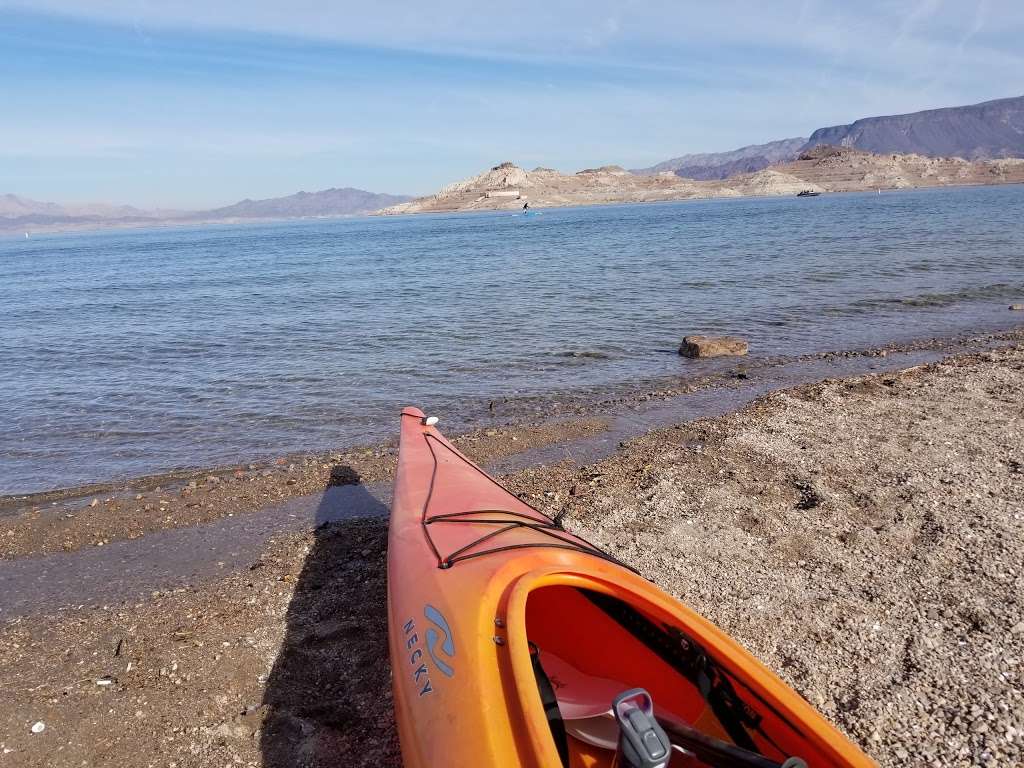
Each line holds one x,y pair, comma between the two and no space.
328,696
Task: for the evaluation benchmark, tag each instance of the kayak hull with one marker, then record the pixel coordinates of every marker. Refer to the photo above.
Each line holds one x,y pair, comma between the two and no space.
479,584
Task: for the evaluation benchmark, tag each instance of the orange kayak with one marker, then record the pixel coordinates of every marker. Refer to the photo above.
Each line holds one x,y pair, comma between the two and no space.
510,638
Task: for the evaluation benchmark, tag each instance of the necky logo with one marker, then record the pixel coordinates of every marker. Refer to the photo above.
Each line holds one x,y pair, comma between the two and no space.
444,638
439,643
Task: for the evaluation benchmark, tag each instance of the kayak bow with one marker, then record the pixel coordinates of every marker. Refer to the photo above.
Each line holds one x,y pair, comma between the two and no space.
511,637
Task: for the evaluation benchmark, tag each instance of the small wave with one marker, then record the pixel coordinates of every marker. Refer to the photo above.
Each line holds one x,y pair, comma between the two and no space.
586,354
926,300
826,277
930,300
698,284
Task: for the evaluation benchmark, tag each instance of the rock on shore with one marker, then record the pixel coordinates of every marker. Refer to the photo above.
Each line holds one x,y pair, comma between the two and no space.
713,346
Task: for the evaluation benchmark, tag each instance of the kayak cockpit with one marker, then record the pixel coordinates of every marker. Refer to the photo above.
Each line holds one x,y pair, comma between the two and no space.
587,647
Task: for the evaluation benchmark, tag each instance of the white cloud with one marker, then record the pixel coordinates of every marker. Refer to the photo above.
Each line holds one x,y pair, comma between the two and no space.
898,44
550,27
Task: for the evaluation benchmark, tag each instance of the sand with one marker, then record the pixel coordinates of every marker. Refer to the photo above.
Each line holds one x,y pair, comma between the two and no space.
861,536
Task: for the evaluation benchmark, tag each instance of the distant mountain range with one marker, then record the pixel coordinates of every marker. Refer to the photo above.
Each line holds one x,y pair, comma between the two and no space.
990,130
721,165
12,206
983,131
19,214
329,202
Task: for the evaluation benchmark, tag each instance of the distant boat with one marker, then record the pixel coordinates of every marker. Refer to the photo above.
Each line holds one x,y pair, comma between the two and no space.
807,193
26,235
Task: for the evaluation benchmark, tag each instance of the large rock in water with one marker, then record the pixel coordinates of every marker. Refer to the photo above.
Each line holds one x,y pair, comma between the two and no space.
712,346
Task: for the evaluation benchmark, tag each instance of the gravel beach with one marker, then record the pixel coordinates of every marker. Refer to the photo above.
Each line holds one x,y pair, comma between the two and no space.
861,536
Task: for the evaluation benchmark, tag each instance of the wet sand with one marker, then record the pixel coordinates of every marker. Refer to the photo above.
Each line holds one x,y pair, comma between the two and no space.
862,536
69,520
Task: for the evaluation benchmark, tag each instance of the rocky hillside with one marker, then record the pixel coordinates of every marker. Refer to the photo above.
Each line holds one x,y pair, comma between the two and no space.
847,169
822,169
508,186
991,129
721,165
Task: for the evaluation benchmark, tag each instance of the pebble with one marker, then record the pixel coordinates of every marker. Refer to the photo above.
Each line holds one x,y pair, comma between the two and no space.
39,727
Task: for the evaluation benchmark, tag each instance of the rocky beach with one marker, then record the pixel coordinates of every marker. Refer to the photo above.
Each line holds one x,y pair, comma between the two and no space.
860,534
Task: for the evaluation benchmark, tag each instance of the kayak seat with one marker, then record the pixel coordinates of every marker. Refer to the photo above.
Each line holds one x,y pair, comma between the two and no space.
584,702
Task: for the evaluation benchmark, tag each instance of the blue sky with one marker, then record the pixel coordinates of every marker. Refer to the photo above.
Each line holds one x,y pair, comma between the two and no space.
183,103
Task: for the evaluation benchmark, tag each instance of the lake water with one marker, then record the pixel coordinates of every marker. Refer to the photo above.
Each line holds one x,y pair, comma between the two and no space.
130,352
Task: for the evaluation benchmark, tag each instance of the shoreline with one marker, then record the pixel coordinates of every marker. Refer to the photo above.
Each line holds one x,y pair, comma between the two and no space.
513,209
861,535
68,519
82,228
383,213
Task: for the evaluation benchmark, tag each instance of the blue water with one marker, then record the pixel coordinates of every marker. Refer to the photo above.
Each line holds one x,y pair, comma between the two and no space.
130,352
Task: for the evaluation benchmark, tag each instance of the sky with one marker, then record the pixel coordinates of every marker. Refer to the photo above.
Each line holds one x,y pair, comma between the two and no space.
197,103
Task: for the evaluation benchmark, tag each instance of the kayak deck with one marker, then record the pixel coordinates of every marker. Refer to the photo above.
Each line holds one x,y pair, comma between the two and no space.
479,530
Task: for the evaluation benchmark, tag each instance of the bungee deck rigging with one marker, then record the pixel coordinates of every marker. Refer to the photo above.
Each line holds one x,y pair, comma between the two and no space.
506,520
